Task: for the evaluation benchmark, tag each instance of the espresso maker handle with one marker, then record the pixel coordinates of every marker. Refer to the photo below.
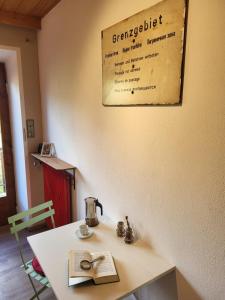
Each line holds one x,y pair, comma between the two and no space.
97,203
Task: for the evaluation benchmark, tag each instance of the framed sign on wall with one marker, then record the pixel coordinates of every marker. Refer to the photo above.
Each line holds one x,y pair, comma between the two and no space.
143,57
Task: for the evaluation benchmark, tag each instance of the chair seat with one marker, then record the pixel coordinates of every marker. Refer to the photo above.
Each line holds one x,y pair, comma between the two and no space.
30,270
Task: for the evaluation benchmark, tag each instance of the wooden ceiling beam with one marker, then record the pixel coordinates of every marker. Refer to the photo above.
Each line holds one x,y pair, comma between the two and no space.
19,20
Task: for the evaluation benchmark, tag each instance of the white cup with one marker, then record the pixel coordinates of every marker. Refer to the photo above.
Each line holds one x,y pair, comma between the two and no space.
83,229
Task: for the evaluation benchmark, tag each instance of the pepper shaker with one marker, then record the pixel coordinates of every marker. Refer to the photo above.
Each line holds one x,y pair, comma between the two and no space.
129,235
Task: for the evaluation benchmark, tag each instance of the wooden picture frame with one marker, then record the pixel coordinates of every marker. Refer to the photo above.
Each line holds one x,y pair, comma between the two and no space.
143,57
30,128
46,149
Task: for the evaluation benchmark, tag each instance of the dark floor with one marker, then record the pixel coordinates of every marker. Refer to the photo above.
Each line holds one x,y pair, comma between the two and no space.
14,283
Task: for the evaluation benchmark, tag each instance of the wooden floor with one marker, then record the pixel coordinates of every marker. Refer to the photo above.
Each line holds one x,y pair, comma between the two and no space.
14,283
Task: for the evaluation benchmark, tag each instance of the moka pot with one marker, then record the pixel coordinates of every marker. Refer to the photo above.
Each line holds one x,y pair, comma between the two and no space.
91,204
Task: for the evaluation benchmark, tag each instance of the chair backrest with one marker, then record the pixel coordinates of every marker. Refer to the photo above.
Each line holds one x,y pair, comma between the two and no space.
18,223
32,220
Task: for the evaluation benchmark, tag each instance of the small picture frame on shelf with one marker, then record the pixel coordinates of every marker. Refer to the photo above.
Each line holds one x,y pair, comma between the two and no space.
46,149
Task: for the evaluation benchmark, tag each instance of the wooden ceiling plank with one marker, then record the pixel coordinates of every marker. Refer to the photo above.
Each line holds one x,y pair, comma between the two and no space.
26,7
40,6
1,3
44,7
19,20
10,5
19,2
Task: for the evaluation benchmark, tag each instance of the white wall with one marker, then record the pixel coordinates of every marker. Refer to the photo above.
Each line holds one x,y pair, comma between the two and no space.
163,166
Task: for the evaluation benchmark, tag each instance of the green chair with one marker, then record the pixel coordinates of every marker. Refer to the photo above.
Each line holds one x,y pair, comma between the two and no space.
22,221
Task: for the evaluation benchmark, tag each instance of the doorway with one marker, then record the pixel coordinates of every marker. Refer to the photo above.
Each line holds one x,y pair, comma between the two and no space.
7,182
10,57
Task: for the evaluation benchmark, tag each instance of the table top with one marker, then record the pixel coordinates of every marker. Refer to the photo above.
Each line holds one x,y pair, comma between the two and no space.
137,264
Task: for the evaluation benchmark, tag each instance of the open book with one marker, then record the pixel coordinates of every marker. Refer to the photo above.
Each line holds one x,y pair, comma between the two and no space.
102,271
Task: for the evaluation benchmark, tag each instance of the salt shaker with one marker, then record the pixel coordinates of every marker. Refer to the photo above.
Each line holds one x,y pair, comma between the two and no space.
120,230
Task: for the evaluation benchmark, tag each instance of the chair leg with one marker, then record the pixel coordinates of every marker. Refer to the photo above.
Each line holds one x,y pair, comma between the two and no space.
38,293
35,291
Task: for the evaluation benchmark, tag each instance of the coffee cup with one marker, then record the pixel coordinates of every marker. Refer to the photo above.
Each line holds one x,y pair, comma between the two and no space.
83,229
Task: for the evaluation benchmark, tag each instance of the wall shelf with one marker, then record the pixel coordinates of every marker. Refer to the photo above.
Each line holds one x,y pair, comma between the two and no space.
56,164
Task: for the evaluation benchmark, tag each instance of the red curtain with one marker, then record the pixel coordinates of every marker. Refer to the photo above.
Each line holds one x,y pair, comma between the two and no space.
57,188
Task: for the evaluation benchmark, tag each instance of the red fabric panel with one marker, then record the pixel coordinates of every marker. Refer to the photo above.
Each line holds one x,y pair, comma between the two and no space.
37,267
57,189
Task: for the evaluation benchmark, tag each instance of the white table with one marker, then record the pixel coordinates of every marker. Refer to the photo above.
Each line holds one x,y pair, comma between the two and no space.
137,264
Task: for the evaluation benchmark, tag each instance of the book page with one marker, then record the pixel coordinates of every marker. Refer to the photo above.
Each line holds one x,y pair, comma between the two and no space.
75,257
104,267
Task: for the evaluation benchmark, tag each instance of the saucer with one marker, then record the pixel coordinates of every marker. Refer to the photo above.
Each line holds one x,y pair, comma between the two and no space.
80,236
